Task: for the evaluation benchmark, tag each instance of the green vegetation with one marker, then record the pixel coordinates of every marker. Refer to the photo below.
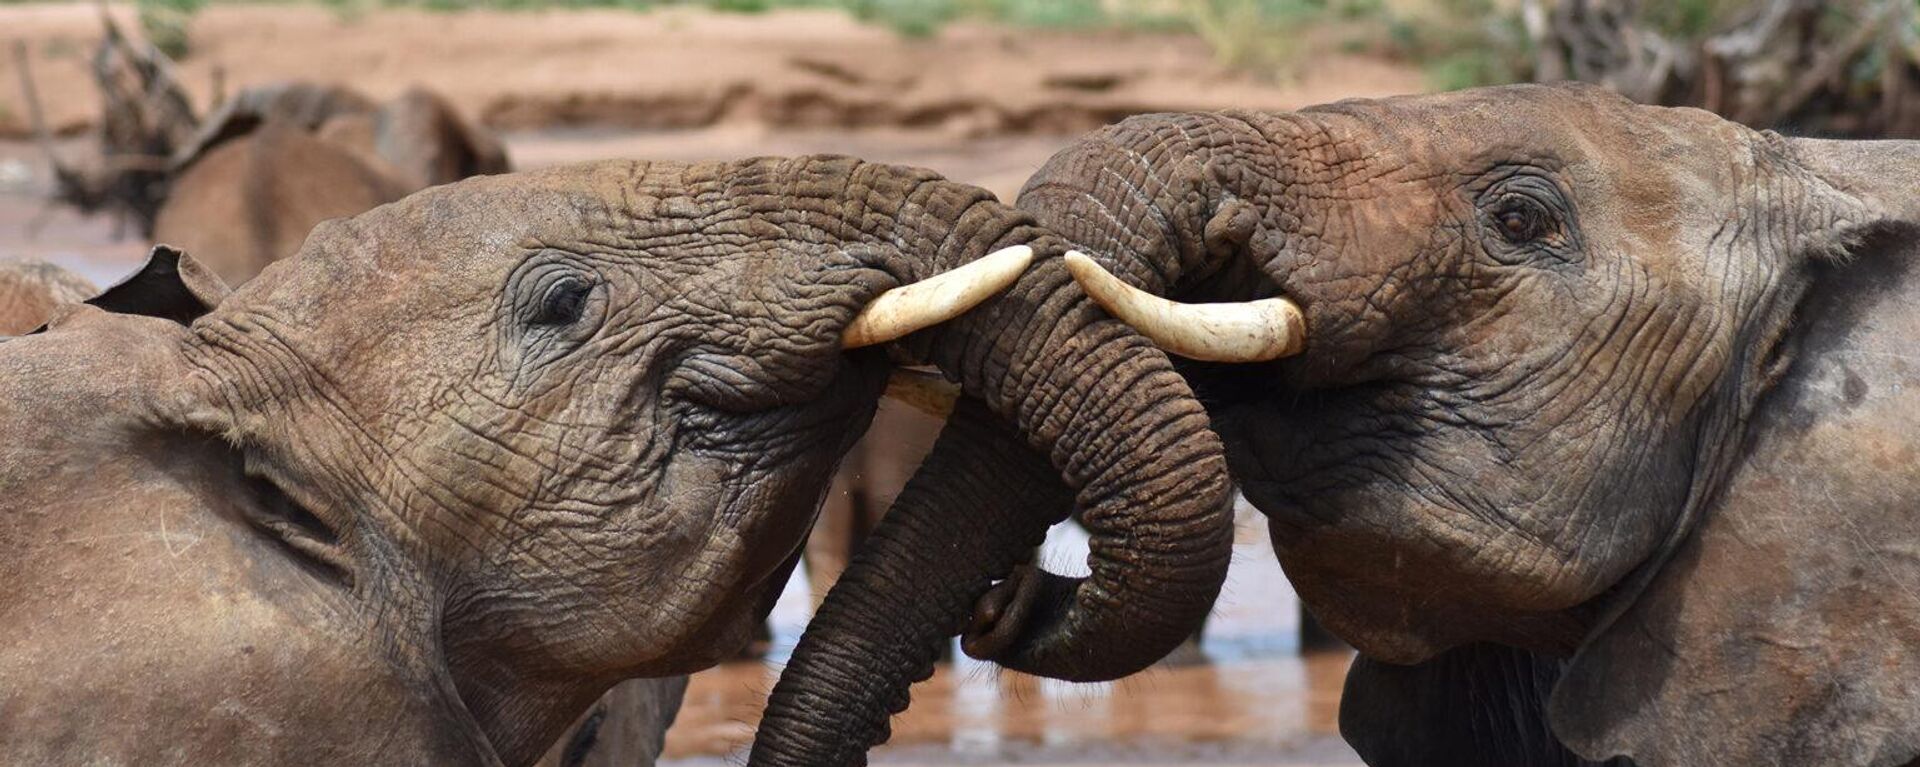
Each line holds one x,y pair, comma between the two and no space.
1458,42
164,22
1462,41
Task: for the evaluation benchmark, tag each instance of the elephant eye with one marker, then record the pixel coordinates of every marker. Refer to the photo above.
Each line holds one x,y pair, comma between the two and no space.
1521,220
563,303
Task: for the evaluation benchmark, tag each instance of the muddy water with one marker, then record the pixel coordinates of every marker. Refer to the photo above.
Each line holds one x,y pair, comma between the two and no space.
1275,710
1254,699
31,228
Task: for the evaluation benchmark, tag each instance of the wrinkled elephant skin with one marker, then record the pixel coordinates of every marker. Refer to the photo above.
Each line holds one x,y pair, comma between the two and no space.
31,290
423,492
1532,451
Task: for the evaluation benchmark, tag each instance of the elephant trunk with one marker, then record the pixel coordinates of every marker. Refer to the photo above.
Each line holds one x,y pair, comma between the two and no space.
898,601
1123,428
1118,426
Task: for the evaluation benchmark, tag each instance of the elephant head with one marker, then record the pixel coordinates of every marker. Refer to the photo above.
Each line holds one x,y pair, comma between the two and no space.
1541,325
558,429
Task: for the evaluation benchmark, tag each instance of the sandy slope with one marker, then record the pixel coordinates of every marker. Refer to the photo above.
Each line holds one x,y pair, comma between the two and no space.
680,68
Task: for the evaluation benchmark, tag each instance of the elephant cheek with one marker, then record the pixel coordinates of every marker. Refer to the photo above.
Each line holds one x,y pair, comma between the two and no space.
775,518
719,532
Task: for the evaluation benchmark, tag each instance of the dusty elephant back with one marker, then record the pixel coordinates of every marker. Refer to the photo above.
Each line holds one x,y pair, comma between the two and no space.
426,140
251,201
306,105
30,290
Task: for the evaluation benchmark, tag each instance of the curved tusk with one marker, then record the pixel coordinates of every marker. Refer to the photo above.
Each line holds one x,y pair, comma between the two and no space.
935,299
923,390
1250,331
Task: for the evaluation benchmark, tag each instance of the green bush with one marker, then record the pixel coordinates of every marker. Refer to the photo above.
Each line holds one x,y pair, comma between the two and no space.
165,22
1469,43
1045,13
910,18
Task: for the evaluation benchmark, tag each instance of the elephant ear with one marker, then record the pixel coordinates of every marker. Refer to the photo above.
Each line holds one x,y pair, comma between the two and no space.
171,285
1786,628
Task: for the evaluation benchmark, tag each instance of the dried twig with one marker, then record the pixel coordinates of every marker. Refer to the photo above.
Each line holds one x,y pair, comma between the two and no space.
1776,61
1833,62
36,117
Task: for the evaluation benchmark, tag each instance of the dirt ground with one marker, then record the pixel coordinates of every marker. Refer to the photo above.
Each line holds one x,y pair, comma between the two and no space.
682,68
981,104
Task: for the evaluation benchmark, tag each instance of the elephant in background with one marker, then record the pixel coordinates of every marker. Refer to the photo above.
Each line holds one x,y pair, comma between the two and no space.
274,162
417,138
152,141
31,290
424,492
277,160
865,485
1599,441
626,727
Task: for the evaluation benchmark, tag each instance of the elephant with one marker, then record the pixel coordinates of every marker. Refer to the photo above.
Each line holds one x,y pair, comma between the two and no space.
1591,425
626,727
277,160
30,291
419,138
424,492
251,201
865,485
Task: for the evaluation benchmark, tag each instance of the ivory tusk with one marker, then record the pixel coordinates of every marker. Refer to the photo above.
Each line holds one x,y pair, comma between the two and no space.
1249,331
936,299
923,390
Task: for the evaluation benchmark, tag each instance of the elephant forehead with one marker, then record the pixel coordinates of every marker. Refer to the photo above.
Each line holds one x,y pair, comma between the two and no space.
450,244
1563,124
658,212
1653,182
493,215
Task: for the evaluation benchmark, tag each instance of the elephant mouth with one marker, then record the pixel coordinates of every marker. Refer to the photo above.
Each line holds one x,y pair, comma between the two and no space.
287,516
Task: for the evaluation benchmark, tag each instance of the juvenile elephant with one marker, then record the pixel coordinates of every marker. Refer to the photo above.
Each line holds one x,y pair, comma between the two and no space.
422,493
278,160
418,136
1601,444
31,290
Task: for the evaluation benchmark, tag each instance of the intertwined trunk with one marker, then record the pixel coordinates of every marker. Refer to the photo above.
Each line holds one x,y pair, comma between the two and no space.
1122,438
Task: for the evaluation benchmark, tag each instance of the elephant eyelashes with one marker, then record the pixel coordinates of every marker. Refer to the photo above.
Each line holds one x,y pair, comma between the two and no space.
564,302
1530,218
1522,223
1521,220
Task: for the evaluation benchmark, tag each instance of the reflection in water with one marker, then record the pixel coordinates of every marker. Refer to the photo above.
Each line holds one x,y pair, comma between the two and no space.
1256,702
1263,705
